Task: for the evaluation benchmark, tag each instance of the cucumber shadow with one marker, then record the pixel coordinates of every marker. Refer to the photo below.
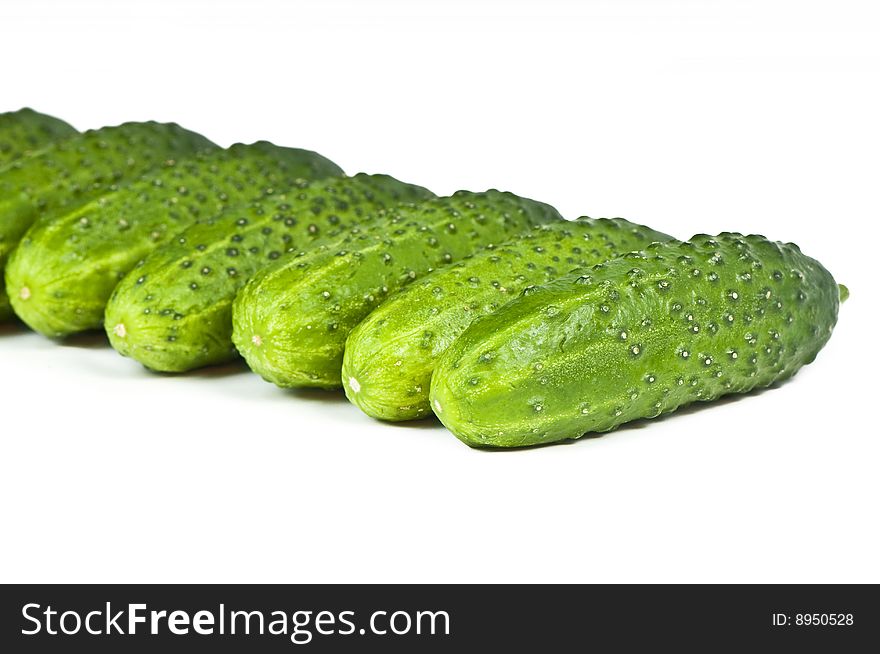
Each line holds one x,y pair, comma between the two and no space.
216,371
94,339
337,398
697,407
12,327
319,395
428,423
642,423
90,340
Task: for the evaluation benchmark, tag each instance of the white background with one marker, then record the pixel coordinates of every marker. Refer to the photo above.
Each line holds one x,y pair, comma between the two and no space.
692,116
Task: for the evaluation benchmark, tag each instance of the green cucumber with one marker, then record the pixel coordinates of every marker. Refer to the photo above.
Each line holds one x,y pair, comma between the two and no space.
390,356
635,337
291,321
173,312
62,274
25,131
74,171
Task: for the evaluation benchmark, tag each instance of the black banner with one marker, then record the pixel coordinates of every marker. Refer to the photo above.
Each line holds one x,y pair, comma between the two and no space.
414,618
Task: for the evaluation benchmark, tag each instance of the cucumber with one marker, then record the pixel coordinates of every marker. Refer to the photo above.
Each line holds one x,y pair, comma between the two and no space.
636,337
62,274
24,131
390,356
291,321
174,311
74,171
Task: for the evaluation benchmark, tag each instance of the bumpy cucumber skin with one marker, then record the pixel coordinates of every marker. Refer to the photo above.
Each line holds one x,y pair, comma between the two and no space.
291,321
71,263
25,131
390,356
73,171
174,312
634,338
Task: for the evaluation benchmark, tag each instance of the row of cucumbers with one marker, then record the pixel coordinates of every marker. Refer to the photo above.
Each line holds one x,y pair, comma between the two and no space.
514,326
